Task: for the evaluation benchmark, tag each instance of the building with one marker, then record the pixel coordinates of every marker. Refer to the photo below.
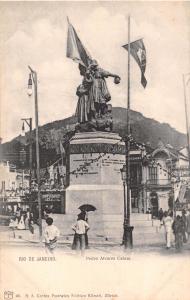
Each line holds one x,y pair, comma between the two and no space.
14,184
12,179
159,178
161,187
182,168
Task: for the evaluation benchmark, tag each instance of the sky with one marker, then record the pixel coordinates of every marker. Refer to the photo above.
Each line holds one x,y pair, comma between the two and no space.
34,33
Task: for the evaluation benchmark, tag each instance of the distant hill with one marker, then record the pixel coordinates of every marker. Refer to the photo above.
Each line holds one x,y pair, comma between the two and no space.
143,130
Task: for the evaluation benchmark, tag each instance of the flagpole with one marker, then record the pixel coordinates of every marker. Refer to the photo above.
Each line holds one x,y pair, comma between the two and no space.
127,237
187,123
128,126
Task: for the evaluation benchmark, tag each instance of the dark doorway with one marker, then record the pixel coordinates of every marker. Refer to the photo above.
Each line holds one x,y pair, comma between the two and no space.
154,204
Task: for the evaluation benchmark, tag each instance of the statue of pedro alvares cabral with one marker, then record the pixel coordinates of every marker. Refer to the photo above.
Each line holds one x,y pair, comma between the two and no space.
93,111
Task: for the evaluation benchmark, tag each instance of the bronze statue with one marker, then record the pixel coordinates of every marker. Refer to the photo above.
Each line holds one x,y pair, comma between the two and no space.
92,111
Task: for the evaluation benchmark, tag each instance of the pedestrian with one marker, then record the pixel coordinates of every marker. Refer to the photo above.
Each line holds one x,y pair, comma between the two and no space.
29,221
160,214
18,213
167,221
178,232
149,212
83,216
184,219
27,217
13,224
80,228
21,223
48,213
51,235
188,224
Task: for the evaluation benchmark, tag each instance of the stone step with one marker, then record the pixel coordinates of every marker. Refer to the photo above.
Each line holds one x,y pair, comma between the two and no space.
140,223
113,224
140,216
106,217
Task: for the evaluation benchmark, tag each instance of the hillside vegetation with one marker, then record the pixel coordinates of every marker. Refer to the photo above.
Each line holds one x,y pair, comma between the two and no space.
143,130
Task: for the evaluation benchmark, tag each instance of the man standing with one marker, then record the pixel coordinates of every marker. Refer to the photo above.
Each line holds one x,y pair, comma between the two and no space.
178,228
160,214
184,219
80,228
167,222
188,223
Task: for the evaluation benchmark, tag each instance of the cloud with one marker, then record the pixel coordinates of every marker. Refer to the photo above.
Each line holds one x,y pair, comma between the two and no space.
41,43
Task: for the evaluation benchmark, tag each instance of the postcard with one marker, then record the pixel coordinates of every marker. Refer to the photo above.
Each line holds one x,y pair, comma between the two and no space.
94,150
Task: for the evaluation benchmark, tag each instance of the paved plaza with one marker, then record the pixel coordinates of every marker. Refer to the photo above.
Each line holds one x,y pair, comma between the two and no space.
107,272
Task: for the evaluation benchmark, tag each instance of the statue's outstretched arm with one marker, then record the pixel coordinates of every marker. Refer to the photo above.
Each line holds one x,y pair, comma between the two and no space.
108,74
114,75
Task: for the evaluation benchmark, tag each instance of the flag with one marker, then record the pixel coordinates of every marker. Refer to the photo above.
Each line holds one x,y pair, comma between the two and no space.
138,51
62,150
75,48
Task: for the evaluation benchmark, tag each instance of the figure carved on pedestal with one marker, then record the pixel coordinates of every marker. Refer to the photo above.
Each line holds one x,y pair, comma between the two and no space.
93,111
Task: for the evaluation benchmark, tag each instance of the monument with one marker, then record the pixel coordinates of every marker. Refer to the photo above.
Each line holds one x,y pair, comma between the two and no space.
96,154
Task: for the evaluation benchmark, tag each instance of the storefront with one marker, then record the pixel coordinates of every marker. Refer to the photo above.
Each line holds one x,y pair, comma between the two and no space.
54,200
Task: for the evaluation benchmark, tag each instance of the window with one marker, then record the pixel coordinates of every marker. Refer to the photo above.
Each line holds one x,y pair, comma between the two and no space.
135,174
153,175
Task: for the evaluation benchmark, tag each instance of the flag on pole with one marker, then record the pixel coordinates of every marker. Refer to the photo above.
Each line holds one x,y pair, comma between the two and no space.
138,51
75,48
62,150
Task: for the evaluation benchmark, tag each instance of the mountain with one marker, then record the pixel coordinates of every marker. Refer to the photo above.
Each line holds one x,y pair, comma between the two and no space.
144,130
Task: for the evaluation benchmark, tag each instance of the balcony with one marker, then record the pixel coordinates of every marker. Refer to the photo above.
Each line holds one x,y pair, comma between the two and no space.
159,183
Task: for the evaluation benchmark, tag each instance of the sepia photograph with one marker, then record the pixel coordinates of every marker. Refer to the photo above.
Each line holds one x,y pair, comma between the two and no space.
95,150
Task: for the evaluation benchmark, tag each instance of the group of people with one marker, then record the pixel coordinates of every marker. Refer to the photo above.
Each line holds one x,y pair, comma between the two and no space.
22,219
179,226
80,228
25,218
93,95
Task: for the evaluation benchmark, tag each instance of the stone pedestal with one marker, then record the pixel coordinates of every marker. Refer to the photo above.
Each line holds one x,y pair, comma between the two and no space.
94,178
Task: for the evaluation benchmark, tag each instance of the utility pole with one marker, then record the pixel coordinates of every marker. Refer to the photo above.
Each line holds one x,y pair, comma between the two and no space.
28,121
187,122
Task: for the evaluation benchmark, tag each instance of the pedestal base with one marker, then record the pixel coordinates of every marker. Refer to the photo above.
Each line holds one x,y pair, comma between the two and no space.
107,219
95,162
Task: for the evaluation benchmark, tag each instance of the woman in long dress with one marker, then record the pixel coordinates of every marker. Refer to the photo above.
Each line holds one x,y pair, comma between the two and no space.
84,109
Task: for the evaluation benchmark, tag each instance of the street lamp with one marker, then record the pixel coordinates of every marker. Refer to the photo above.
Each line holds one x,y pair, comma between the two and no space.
127,229
33,80
29,91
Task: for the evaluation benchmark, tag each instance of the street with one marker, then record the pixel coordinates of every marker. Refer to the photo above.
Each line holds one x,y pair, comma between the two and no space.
141,273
